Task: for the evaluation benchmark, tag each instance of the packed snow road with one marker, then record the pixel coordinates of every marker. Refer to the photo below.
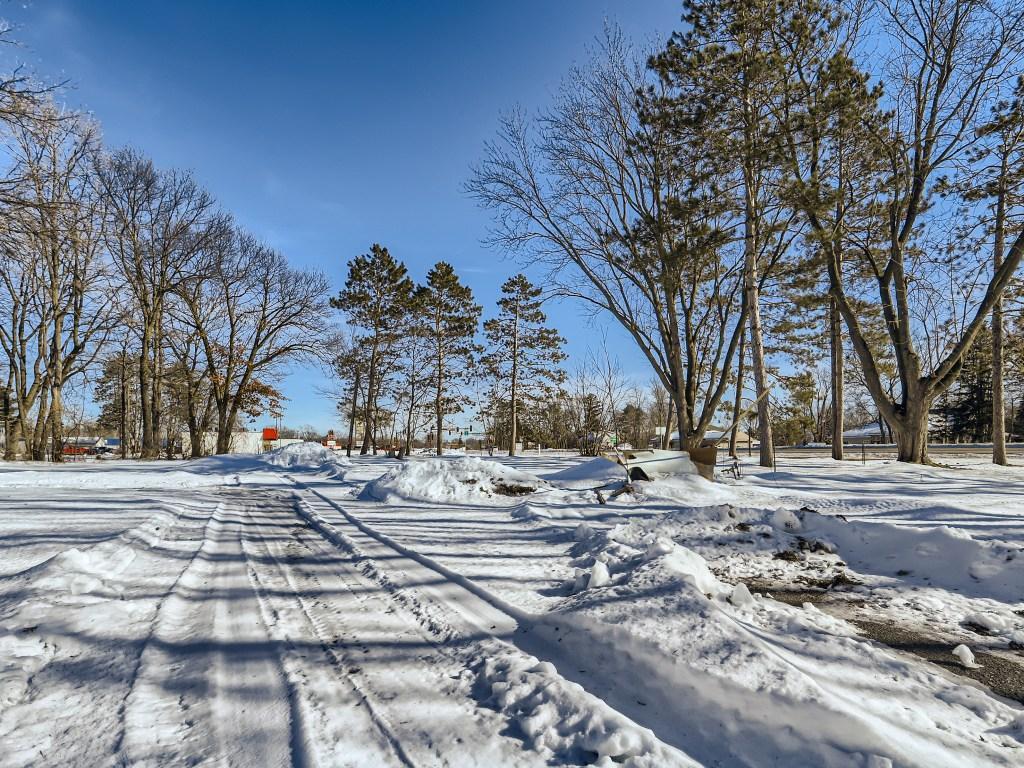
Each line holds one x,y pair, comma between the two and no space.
228,632
296,609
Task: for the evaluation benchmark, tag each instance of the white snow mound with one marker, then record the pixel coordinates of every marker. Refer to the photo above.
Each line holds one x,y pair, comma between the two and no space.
559,719
464,480
305,456
587,474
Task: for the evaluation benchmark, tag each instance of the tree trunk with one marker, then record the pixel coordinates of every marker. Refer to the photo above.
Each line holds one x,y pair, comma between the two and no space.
513,432
352,414
438,411
836,343
57,423
224,422
737,404
195,439
38,445
515,383
5,415
156,401
368,406
910,429
751,291
666,439
144,383
764,421
998,404
912,440
14,435
998,395
123,415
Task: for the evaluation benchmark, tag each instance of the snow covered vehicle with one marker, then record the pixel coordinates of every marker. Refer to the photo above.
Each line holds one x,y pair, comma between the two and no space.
651,463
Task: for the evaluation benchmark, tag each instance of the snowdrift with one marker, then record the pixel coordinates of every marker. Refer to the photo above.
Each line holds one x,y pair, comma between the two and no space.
594,473
210,471
789,685
306,456
690,489
460,481
563,722
163,474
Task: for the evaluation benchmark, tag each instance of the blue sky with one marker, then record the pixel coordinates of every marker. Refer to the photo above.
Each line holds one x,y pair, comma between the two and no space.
327,126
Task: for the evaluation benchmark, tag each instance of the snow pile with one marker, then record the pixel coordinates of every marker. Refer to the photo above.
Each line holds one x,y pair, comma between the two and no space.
594,473
655,606
124,475
466,480
947,557
691,490
929,579
306,456
21,656
564,723
966,657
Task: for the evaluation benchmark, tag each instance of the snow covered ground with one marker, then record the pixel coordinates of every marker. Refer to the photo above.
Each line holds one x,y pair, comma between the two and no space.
302,609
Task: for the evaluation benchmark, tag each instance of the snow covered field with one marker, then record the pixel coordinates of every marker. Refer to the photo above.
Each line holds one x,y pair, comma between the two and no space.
301,609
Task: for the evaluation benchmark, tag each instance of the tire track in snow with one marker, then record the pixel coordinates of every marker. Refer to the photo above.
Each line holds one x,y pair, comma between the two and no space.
415,688
461,610
148,640
89,637
209,684
336,660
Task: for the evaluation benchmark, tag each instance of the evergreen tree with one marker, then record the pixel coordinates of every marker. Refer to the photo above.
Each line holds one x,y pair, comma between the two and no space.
967,406
1000,184
451,319
114,393
727,82
523,352
376,299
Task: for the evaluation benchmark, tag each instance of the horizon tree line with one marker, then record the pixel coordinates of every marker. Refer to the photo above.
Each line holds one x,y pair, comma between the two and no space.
131,284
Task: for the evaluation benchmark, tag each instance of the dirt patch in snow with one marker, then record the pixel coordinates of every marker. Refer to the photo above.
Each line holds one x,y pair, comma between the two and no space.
1003,676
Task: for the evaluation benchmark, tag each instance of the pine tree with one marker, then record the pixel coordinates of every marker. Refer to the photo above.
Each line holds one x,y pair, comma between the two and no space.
967,405
728,81
376,299
523,352
1001,183
451,323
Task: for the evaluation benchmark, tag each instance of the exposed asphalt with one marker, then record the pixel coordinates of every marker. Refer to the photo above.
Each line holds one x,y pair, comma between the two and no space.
999,672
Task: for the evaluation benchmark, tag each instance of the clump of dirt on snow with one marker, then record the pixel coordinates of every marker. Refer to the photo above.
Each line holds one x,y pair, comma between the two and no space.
464,480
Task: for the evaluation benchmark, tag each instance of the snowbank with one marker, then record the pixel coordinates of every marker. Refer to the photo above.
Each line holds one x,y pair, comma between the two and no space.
712,655
689,489
594,473
564,723
120,476
464,480
306,456
939,557
209,471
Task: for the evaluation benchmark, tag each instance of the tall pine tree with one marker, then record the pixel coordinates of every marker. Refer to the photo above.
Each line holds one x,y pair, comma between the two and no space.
376,298
725,80
451,318
523,353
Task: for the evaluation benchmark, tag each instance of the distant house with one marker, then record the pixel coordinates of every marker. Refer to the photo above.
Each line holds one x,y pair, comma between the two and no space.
714,436
867,434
